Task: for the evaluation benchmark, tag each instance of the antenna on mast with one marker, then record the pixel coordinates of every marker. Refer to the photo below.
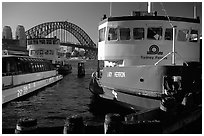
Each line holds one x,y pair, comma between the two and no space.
149,7
110,9
194,11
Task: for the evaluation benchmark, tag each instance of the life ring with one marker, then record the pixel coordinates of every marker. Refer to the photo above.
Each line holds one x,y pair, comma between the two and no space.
154,49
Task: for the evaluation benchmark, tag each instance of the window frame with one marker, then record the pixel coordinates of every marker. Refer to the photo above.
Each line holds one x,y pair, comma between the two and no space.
128,36
191,36
165,34
100,39
143,34
180,36
117,34
149,37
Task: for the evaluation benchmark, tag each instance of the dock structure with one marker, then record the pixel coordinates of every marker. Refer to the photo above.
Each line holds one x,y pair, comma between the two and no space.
153,121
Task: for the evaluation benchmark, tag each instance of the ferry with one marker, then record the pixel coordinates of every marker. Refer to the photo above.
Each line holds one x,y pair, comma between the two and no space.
22,75
49,48
150,61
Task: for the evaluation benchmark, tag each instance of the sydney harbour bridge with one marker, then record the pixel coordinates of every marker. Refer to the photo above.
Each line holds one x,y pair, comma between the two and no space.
68,33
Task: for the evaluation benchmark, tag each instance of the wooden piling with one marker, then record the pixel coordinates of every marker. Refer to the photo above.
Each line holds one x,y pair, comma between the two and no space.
74,125
26,126
81,69
113,124
92,127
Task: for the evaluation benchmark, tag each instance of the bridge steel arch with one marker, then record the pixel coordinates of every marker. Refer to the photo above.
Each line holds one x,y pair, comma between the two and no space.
44,29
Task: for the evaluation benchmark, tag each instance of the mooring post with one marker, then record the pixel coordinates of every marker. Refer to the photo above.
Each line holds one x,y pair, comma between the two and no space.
113,124
26,126
81,69
74,125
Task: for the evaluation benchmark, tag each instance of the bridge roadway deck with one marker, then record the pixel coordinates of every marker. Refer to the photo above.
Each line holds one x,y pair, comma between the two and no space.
79,46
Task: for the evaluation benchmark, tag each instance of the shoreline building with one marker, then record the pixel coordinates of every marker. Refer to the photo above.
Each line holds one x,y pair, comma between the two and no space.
12,46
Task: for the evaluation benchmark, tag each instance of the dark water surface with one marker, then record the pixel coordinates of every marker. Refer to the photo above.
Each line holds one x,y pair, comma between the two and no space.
51,105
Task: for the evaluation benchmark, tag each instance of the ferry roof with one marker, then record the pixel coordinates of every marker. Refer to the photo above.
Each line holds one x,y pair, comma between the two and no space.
165,18
18,56
42,38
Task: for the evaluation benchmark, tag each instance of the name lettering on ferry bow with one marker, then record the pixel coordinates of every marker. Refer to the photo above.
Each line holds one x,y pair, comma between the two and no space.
116,74
119,74
109,74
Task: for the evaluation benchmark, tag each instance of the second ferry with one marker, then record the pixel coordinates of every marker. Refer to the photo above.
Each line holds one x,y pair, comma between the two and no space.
22,75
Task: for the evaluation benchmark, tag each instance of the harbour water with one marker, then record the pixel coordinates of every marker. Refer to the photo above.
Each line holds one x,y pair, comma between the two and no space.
51,105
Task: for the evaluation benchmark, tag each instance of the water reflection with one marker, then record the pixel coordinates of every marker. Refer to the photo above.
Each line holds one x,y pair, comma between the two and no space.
51,105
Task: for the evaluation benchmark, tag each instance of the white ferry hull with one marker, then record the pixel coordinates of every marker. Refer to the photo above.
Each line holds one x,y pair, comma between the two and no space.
147,87
22,90
129,100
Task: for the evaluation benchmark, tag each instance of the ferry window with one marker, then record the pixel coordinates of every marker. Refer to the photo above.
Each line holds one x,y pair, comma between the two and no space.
51,52
154,33
30,42
41,52
112,34
35,41
11,66
4,66
182,35
8,67
45,66
124,33
25,66
20,68
29,68
56,41
49,41
41,67
193,36
169,34
102,34
42,41
33,67
138,33
32,52
37,67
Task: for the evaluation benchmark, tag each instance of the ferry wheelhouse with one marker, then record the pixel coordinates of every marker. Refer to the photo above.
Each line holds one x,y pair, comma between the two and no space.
46,48
49,48
22,75
149,61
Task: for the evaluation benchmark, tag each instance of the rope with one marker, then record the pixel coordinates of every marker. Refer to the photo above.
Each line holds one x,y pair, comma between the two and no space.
165,12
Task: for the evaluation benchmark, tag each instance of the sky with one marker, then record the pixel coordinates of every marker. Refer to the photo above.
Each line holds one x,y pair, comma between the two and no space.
86,15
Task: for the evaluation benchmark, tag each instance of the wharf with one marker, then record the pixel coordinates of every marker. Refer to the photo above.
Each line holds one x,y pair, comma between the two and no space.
149,122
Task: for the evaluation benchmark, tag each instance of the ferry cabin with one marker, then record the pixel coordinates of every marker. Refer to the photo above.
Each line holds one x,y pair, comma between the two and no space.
45,48
145,39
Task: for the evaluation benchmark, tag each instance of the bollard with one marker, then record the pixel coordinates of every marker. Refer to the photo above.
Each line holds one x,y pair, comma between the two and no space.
113,124
26,126
74,125
93,127
81,69
188,101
